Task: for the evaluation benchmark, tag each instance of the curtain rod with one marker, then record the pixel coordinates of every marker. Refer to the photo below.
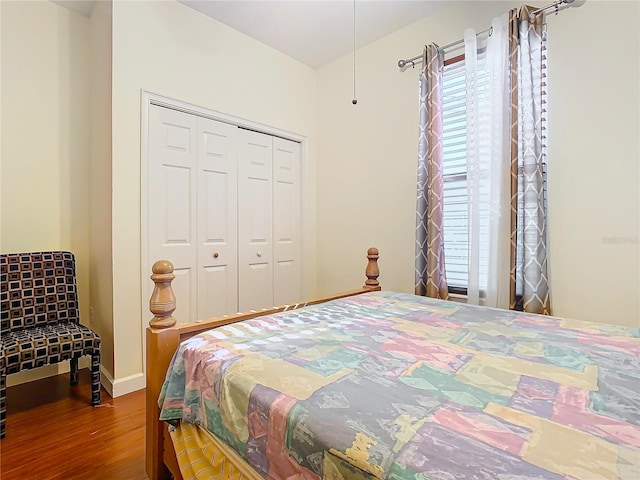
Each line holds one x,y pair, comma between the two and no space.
404,62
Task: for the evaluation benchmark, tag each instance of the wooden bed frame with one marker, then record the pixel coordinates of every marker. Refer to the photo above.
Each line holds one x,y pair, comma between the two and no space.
163,339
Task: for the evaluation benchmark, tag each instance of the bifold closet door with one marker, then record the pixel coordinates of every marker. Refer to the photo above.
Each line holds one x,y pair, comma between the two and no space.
225,209
287,219
217,218
193,209
172,201
255,221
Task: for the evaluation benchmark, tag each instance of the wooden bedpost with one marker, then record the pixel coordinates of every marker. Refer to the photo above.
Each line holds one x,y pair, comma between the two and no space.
162,342
372,272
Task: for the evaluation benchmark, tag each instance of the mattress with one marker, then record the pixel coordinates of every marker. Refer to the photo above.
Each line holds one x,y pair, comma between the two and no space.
394,386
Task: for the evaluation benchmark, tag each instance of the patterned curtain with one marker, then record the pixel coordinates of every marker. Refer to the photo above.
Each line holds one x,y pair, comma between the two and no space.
430,273
529,286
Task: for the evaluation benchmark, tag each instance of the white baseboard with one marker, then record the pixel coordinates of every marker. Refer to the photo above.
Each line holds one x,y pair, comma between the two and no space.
115,388
121,386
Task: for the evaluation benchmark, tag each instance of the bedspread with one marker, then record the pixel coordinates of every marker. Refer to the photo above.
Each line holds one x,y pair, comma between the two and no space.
395,386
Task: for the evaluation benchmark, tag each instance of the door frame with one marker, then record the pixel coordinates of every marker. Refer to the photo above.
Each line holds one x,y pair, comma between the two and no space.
146,100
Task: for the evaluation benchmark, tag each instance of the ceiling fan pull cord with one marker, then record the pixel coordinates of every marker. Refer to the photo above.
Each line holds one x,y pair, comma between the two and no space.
355,100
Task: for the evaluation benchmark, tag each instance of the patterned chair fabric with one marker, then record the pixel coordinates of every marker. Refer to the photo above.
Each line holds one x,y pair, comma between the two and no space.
40,321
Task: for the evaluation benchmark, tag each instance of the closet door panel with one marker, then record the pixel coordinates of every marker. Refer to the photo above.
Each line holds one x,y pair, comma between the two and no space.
287,218
172,201
255,221
217,218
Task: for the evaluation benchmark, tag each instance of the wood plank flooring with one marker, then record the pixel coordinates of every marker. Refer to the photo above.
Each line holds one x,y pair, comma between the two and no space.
54,433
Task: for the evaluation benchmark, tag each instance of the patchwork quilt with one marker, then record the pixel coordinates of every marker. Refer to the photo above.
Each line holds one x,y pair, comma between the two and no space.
394,386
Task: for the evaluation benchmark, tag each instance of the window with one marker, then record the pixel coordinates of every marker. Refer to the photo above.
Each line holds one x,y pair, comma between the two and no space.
455,184
483,233
455,195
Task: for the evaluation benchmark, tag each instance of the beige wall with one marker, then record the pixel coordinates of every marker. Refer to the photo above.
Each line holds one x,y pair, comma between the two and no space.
101,271
172,50
367,157
594,162
45,135
76,83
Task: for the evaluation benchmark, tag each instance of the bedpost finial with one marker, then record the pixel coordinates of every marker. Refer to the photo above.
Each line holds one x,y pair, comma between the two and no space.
372,272
162,267
163,301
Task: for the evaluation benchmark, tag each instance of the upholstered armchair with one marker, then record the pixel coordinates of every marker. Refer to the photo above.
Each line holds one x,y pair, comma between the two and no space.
40,322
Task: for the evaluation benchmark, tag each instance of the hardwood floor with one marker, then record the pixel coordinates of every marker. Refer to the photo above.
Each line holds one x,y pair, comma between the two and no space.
54,433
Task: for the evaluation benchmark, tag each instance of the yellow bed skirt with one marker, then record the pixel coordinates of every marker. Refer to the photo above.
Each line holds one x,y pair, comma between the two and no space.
201,456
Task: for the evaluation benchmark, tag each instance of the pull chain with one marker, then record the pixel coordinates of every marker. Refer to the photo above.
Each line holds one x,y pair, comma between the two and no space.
355,100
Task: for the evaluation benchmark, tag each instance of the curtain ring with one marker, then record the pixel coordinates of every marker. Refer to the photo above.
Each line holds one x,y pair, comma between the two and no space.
491,30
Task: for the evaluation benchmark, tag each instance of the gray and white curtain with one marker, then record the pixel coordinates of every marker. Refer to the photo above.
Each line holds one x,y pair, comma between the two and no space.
431,278
529,284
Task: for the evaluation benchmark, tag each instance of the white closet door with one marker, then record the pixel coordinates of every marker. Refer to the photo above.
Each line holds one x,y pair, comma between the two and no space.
255,244
287,219
172,201
217,218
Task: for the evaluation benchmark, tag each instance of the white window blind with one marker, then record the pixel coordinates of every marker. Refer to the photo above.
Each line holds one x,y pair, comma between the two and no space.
455,201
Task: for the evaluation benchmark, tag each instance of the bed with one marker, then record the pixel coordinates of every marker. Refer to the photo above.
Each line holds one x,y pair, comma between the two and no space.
375,384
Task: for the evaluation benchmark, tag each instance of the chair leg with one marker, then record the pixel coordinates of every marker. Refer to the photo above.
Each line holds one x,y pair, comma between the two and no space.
3,405
95,377
73,373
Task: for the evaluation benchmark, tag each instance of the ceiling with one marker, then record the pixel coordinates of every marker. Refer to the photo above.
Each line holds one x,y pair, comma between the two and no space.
83,7
314,32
